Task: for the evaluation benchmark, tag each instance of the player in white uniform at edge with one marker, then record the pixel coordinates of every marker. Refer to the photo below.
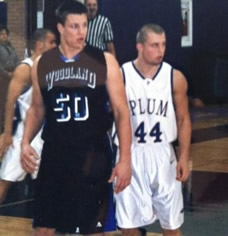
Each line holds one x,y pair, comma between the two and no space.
158,105
20,91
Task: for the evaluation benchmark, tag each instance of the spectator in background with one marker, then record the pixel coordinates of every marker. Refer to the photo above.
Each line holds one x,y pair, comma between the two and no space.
8,62
100,33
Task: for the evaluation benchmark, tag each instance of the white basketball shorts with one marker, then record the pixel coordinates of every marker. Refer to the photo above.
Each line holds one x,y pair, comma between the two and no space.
154,192
11,169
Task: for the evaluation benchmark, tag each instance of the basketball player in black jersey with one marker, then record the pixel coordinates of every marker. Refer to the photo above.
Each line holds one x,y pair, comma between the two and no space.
72,85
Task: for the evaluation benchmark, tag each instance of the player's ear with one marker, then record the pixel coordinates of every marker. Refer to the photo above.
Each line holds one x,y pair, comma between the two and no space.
60,28
39,45
139,46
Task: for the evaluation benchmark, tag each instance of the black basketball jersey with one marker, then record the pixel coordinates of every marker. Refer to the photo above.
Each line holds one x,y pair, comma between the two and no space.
74,94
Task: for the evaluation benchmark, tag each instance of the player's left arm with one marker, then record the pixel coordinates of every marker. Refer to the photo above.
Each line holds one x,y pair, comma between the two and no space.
183,124
122,171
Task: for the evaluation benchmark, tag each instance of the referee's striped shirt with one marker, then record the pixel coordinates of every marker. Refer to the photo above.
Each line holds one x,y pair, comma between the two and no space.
99,32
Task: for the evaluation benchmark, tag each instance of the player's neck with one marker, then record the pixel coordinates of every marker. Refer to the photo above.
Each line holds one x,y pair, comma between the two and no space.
35,55
147,70
69,52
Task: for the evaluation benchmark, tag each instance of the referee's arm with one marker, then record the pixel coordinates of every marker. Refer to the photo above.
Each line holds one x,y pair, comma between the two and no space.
110,48
109,38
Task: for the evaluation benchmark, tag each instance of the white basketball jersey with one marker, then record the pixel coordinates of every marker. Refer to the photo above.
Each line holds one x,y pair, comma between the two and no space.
24,101
150,100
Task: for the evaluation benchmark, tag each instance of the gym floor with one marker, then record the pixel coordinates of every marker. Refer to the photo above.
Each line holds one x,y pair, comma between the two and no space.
205,192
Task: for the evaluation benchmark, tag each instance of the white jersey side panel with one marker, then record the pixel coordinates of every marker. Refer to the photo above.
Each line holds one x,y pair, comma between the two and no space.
153,118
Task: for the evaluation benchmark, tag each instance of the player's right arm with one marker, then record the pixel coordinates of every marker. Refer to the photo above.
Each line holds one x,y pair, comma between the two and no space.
121,174
19,82
33,123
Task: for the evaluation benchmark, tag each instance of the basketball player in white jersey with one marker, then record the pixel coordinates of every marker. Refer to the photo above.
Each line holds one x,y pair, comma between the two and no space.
158,104
20,91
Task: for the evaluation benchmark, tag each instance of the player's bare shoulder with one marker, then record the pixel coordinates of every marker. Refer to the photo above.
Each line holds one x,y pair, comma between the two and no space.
34,68
110,59
23,68
179,81
113,69
22,74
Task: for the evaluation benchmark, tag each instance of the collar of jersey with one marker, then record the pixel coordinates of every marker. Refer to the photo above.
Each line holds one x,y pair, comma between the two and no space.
140,74
67,60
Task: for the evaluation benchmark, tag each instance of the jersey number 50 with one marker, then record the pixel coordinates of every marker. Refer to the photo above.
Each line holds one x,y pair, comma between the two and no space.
76,106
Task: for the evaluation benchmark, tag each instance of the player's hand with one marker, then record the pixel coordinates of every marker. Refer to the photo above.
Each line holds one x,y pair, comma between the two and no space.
29,158
121,175
5,141
182,170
